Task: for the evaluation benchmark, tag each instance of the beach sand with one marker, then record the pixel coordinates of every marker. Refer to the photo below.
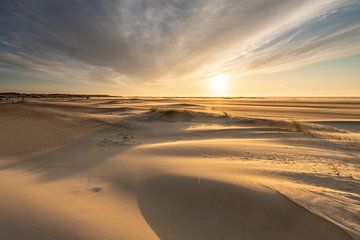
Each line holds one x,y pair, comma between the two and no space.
180,168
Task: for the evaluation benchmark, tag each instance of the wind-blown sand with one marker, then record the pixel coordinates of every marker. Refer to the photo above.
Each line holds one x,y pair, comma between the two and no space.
181,168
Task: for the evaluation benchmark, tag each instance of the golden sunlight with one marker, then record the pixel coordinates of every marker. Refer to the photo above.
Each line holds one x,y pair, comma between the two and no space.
219,84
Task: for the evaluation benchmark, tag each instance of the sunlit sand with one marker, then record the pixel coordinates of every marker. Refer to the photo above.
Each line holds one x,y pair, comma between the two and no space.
180,168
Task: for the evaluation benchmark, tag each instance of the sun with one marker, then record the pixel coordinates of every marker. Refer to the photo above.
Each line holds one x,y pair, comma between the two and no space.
219,84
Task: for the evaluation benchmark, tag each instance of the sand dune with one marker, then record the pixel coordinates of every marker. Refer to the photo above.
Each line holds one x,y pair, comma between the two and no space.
186,208
180,169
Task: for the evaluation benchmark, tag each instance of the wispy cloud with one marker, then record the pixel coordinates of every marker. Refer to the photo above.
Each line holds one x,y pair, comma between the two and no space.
147,40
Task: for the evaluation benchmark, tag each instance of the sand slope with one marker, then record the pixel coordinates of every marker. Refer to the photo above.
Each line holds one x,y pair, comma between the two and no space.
112,169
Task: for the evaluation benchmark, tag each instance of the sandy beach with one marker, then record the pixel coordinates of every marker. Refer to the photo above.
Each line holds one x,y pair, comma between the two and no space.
180,168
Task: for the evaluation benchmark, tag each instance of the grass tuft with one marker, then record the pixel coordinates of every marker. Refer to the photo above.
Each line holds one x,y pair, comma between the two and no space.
297,127
154,109
226,115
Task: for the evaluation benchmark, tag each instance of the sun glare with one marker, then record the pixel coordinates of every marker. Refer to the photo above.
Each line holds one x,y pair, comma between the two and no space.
219,84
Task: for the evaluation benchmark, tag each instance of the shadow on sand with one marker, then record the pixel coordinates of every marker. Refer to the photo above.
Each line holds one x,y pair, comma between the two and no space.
181,208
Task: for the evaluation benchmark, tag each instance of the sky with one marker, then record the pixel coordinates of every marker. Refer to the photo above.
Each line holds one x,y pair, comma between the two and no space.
181,47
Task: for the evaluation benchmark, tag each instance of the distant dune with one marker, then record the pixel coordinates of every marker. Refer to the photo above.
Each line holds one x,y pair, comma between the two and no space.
180,168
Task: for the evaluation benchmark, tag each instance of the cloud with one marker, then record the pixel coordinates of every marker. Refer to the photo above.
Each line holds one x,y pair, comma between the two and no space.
147,40
56,68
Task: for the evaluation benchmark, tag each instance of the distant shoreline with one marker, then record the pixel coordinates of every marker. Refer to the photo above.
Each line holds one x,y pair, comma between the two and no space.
45,95
64,95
